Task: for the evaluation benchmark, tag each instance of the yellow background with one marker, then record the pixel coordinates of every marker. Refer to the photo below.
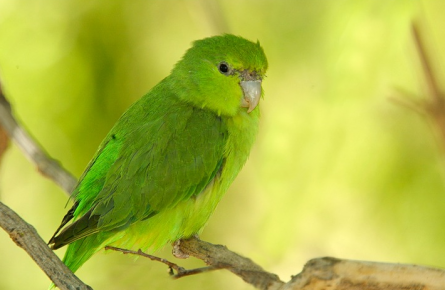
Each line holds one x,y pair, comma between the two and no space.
337,170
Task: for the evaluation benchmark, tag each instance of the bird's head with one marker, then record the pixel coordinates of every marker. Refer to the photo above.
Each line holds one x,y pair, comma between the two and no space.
223,74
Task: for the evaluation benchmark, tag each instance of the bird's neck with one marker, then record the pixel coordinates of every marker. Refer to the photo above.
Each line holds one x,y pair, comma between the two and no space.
242,130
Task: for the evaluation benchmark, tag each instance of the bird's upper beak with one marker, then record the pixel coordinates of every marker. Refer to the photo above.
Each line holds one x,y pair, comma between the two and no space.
252,94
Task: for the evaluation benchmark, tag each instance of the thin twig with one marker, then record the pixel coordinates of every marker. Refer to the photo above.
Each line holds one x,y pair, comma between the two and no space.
416,106
151,257
180,271
433,88
434,104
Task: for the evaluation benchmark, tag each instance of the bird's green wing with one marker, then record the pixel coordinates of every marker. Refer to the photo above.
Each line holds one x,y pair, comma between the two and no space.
165,159
92,180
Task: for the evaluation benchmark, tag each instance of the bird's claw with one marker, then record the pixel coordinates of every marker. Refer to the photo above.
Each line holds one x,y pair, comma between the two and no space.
177,252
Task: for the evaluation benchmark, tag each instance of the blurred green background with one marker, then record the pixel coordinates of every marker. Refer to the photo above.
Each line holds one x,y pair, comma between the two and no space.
338,169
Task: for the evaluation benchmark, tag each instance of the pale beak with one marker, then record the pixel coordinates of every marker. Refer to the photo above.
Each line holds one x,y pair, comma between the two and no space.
252,94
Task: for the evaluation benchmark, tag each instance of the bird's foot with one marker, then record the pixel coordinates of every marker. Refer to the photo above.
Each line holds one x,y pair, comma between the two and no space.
177,252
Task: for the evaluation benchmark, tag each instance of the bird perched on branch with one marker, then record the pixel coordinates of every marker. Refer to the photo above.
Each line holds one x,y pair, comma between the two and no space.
162,169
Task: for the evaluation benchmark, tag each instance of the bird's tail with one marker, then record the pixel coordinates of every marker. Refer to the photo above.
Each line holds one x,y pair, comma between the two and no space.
81,250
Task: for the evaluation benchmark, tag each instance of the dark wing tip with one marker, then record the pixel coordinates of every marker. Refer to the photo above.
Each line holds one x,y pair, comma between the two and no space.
69,216
84,226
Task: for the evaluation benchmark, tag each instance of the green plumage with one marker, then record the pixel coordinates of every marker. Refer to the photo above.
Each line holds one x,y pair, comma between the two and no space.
160,172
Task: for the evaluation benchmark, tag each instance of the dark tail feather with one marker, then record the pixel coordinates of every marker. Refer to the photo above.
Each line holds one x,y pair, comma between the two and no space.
81,228
69,216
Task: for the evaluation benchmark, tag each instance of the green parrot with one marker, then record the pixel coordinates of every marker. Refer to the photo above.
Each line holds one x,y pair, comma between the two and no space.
162,169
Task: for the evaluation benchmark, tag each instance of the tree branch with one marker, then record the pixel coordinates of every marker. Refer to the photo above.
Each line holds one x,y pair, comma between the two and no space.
335,274
217,257
243,267
321,273
46,165
22,233
26,237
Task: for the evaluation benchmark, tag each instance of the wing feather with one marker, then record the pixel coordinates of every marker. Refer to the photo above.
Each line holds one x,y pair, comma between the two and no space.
166,159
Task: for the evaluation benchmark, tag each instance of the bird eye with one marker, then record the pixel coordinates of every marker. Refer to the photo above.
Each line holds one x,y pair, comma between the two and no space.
223,68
